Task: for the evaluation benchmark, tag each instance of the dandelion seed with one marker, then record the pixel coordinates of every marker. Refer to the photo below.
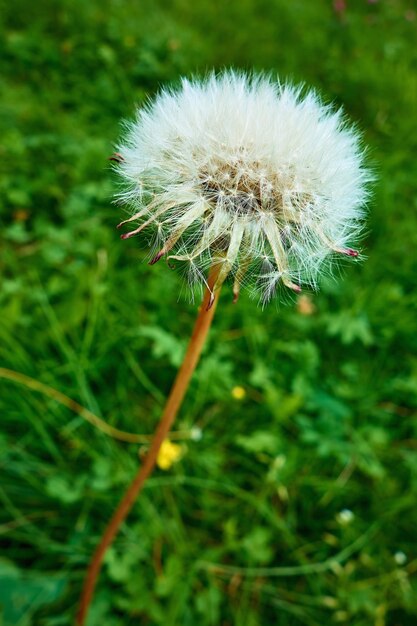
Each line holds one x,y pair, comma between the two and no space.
247,173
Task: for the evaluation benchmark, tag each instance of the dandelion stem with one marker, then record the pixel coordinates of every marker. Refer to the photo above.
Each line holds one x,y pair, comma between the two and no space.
176,396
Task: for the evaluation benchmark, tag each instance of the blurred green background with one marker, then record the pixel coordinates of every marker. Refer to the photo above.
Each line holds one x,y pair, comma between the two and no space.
294,500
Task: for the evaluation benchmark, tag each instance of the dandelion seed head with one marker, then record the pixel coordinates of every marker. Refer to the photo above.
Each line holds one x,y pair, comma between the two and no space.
248,173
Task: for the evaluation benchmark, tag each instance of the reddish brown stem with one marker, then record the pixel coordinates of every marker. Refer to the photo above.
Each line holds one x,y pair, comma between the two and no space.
179,388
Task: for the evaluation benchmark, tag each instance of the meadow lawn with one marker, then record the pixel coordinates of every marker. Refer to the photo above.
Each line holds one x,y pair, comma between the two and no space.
294,500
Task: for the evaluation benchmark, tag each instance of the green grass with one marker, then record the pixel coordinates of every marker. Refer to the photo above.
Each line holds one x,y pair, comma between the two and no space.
329,418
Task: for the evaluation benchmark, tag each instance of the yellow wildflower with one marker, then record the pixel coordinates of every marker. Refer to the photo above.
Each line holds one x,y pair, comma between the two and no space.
168,454
238,393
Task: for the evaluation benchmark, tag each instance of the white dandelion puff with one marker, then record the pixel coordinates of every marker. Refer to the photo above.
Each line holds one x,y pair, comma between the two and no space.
247,173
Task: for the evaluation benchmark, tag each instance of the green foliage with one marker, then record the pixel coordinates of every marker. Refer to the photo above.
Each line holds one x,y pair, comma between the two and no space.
252,526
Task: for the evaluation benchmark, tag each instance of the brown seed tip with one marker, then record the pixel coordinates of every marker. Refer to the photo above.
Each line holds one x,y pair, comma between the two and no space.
157,257
117,157
350,252
347,251
210,302
292,286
